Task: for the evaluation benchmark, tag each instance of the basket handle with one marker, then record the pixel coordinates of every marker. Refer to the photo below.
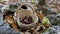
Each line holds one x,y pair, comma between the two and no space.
26,4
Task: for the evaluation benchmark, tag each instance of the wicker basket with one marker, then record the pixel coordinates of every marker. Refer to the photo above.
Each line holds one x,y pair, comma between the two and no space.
26,12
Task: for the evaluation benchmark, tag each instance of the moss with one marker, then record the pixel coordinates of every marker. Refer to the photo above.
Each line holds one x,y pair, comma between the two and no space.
41,2
13,6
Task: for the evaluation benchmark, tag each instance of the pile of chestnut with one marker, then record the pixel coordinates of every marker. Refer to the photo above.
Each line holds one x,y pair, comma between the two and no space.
26,20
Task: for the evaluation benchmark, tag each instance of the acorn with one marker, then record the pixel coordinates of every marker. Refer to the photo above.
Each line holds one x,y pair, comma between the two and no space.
26,20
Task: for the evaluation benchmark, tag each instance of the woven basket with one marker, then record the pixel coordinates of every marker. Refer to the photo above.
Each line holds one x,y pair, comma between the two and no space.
26,12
